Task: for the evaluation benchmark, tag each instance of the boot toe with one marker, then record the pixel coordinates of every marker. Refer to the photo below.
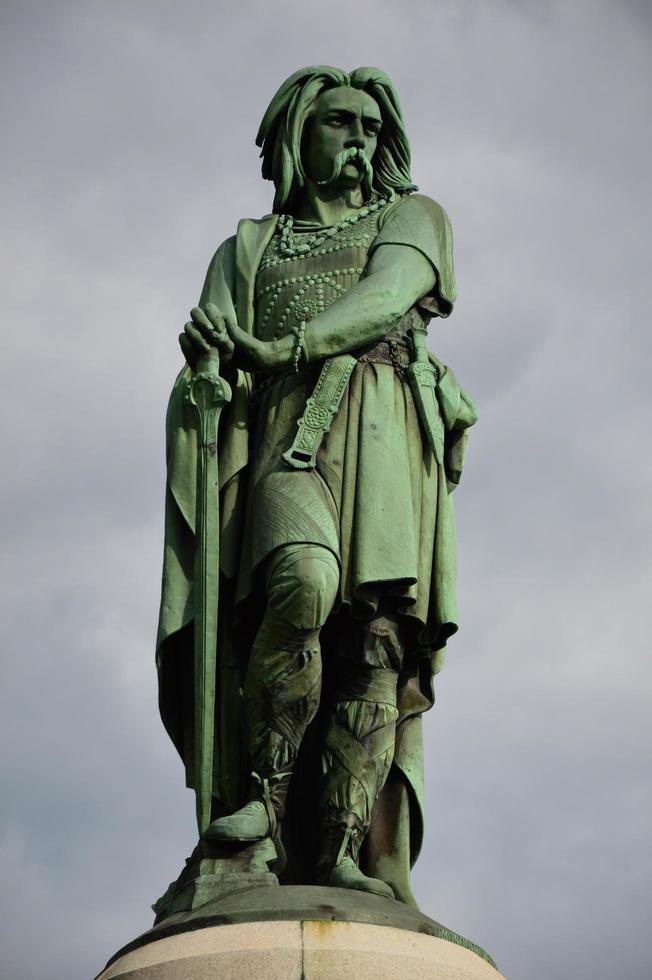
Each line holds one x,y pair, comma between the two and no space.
348,875
251,823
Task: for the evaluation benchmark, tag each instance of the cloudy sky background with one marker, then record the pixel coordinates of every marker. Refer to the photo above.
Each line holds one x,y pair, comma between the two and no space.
127,157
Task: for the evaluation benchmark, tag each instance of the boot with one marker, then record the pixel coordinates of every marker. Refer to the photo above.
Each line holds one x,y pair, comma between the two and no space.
356,759
338,864
282,690
259,817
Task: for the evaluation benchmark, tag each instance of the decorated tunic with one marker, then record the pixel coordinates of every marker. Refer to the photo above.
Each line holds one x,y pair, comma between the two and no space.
300,281
374,497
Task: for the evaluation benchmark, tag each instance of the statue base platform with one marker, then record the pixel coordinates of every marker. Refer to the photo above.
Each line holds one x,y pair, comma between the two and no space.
300,932
215,870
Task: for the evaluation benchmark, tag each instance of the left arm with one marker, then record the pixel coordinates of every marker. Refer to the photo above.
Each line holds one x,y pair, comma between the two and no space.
398,276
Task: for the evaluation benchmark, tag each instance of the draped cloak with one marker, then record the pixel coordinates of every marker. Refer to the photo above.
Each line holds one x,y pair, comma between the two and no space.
396,833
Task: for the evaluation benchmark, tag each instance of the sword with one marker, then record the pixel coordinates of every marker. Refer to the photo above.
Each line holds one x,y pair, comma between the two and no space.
209,392
423,377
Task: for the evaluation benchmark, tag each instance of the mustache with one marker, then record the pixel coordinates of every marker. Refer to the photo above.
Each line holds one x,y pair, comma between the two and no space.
355,154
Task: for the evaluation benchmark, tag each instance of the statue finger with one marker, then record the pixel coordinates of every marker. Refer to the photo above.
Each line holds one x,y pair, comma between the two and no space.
187,349
214,315
213,325
223,344
216,319
196,336
235,333
202,322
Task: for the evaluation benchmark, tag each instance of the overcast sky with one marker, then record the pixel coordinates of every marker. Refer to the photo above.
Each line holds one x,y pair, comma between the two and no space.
127,157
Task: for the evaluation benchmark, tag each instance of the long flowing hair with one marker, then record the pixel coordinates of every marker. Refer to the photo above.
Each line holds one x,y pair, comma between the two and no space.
281,131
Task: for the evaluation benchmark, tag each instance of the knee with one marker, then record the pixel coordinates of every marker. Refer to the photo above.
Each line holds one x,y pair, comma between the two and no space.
316,579
302,586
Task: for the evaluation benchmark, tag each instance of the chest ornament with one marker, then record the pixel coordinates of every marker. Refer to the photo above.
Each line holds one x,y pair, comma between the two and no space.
311,241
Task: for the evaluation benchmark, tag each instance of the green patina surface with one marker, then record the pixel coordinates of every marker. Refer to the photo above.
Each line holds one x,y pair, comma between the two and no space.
313,446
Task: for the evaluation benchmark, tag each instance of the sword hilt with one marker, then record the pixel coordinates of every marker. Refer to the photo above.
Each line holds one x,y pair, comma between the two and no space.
419,334
209,363
208,389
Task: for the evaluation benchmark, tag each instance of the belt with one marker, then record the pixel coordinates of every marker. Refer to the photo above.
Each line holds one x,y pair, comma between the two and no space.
393,352
321,408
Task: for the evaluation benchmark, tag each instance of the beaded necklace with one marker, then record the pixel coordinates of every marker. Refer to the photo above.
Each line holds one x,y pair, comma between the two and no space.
311,240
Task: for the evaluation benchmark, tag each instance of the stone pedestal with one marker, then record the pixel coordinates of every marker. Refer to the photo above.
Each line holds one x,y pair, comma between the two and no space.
300,933
213,871
308,950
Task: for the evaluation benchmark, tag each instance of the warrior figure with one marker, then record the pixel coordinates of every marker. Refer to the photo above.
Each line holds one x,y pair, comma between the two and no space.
337,554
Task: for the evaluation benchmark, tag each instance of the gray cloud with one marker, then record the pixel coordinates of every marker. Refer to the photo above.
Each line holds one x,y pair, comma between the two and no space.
128,157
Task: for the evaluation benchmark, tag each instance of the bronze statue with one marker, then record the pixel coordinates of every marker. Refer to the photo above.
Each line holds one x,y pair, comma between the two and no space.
317,505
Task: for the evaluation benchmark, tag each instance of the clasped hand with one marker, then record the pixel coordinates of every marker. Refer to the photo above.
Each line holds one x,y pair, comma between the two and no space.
207,329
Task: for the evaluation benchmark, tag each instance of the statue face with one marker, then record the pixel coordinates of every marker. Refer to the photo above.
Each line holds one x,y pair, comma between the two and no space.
345,119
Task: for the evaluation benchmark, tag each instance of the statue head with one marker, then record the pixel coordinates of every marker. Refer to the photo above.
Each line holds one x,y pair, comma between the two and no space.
336,129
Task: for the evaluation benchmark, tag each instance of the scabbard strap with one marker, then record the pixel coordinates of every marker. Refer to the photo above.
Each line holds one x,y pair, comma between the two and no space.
320,411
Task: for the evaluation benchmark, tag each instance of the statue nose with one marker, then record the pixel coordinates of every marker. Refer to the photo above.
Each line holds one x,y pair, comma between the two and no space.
357,141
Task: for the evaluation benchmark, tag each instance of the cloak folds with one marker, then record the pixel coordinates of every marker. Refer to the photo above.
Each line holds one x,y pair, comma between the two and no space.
397,827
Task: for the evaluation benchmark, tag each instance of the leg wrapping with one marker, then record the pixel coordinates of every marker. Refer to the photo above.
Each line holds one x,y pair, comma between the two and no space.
358,752
282,691
283,683
359,745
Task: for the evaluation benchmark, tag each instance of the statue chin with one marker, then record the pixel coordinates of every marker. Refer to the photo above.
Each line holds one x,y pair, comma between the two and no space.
353,170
